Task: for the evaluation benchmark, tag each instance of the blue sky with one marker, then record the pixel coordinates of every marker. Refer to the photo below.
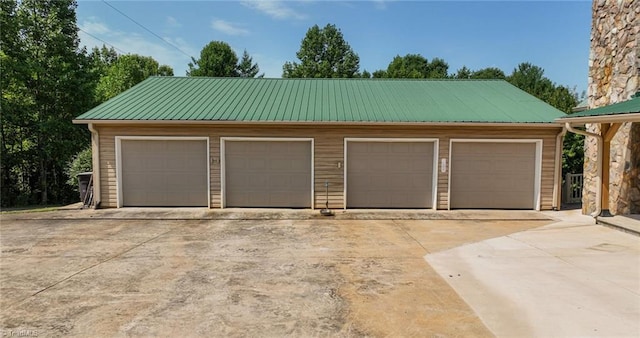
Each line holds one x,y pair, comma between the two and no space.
553,34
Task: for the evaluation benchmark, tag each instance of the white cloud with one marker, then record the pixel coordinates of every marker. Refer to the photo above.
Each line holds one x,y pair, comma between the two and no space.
275,9
228,27
381,4
138,43
92,26
173,22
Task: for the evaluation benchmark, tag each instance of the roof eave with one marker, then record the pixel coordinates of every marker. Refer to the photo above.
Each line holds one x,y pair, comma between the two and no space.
610,118
327,123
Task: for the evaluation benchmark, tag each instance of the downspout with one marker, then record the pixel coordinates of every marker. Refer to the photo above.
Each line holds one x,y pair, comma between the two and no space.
95,151
557,180
598,210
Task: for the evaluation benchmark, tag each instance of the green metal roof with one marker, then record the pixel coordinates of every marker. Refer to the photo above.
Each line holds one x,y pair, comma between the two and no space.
322,100
626,107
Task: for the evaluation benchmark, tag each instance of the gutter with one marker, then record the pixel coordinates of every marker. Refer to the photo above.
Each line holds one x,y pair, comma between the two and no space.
557,179
323,123
599,139
610,118
95,151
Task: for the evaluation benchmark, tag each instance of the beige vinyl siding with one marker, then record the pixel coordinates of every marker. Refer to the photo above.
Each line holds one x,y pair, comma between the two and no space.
328,151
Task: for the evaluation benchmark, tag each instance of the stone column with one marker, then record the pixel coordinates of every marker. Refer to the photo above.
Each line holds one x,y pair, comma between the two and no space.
614,76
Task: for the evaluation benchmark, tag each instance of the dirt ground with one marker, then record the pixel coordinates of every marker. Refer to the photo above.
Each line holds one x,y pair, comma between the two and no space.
90,273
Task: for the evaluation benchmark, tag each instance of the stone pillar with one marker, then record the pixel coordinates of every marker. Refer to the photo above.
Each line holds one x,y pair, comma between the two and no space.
614,76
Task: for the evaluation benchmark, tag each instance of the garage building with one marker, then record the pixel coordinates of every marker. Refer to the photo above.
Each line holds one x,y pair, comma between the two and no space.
281,143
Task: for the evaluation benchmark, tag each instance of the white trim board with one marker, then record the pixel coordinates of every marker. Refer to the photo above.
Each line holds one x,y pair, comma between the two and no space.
118,141
223,202
434,183
537,170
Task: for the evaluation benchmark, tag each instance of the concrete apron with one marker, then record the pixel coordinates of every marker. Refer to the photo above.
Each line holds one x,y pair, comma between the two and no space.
73,212
570,278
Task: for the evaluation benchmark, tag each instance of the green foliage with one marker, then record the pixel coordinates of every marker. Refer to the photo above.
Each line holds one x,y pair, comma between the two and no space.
438,69
246,67
489,73
573,154
165,70
414,66
323,54
379,74
125,72
81,162
463,73
217,59
101,59
365,74
45,82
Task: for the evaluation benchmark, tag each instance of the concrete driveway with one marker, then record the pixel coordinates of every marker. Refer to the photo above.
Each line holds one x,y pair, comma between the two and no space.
252,273
571,278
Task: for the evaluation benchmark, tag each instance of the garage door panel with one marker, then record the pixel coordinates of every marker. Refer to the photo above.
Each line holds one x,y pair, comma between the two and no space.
164,172
268,173
492,175
389,174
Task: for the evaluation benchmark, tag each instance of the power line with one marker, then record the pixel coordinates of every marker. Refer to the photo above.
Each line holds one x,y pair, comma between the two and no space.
97,38
147,29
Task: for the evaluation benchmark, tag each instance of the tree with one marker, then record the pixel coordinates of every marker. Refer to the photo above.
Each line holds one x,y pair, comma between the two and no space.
102,58
379,74
573,154
488,73
127,71
531,79
165,70
411,66
323,54
463,73
414,66
365,74
45,83
217,59
80,163
438,69
12,102
246,67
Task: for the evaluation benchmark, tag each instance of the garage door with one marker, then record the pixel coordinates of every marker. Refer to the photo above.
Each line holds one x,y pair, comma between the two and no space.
493,175
390,174
273,174
164,173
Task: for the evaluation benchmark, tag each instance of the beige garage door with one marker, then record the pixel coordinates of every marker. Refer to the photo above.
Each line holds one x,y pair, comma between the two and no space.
274,174
389,174
493,175
164,173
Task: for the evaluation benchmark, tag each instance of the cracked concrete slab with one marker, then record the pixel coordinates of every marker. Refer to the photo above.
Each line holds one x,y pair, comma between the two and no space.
132,273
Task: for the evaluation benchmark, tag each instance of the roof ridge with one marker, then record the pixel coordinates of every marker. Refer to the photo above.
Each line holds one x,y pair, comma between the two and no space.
324,79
